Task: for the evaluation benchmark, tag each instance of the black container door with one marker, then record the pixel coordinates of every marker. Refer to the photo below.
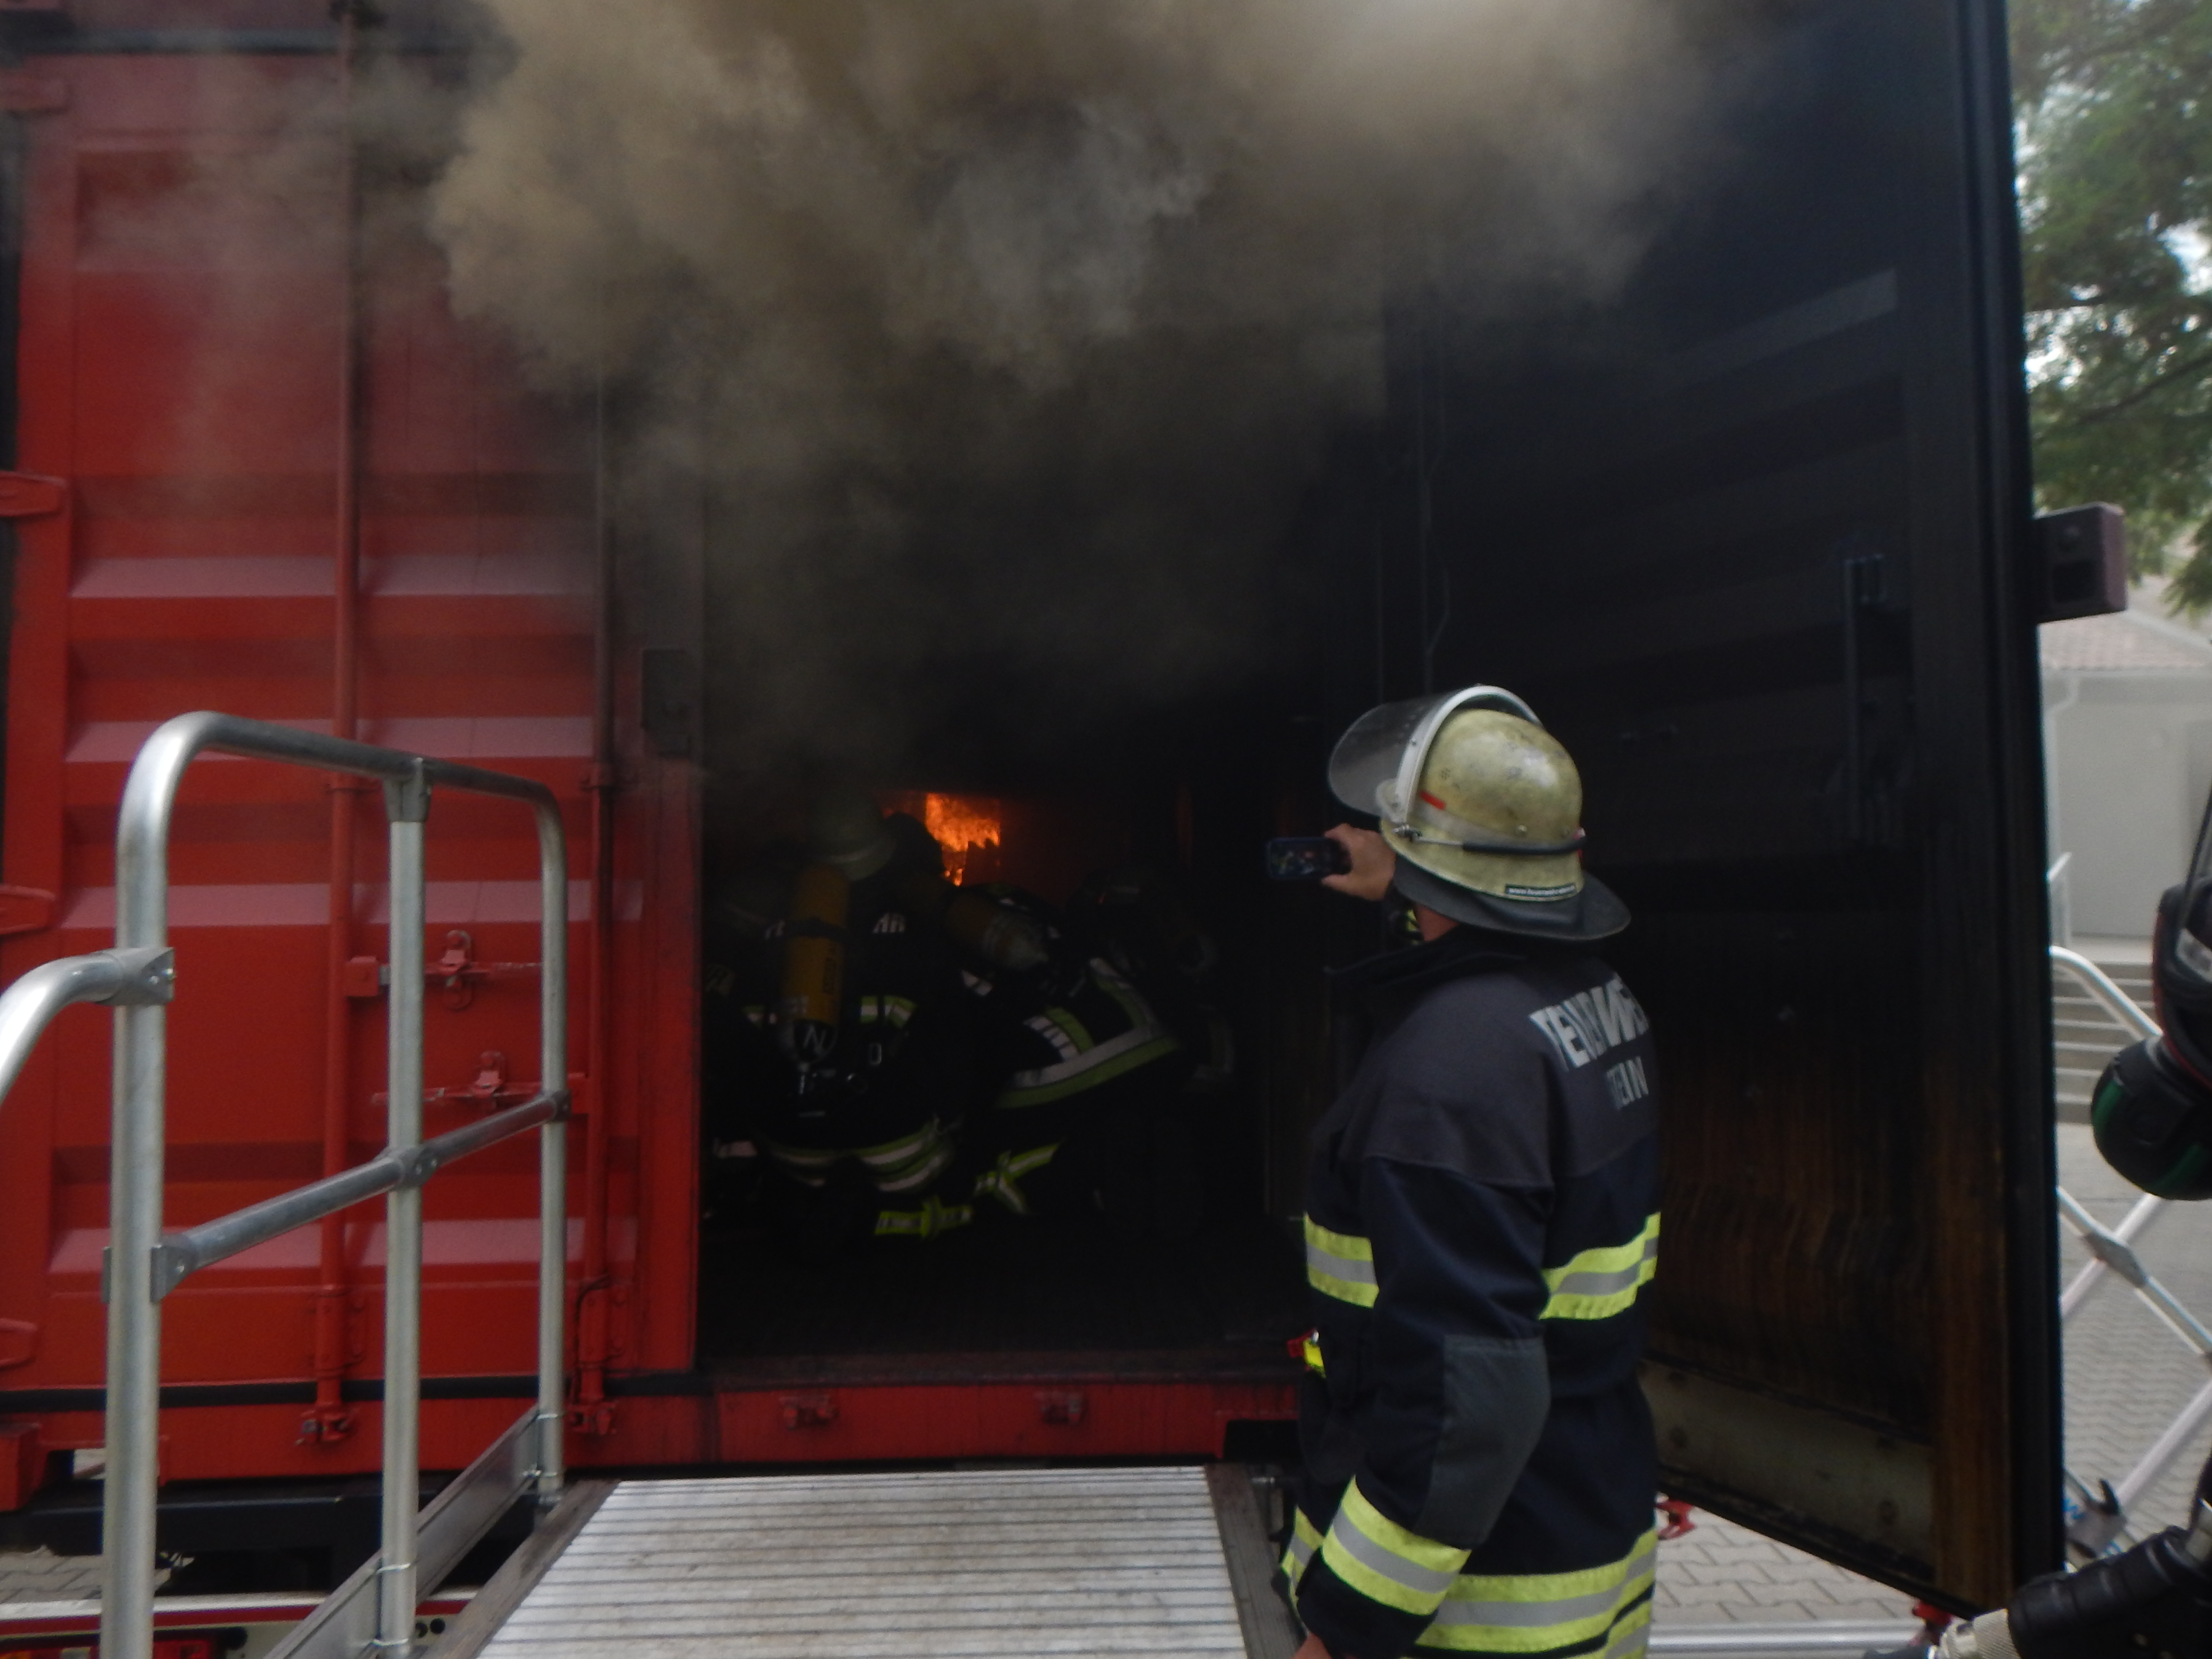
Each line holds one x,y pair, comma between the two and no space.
1752,543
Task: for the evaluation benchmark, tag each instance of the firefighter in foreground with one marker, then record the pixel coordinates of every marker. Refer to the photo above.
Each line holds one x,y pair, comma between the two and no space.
1481,1219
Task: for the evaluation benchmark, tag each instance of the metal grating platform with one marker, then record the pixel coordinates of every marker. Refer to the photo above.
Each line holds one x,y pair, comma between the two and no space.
1062,1562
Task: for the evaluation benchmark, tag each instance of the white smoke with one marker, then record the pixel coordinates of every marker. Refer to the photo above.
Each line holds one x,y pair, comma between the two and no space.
1010,331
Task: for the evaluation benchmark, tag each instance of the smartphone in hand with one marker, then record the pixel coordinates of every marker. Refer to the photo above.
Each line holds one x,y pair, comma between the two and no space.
1306,857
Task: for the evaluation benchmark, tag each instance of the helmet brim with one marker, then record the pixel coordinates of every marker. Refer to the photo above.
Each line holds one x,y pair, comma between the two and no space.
1595,913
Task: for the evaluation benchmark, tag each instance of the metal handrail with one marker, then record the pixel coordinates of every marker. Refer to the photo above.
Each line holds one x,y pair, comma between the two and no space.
2058,883
180,1255
2119,1256
2145,1211
2124,1008
2101,985
144,1265
28,1005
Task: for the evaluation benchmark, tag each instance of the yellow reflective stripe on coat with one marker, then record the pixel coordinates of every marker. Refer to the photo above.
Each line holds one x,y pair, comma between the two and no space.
1339,1265
1599,1284
1541,1612
1298,1553
1384,1562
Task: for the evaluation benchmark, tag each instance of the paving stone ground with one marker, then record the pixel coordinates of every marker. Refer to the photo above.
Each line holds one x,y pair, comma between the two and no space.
1724,1573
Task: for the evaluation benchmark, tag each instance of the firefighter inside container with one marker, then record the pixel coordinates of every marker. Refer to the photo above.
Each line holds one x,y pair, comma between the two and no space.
909,1053
1086,1093
1478,1467
852,1060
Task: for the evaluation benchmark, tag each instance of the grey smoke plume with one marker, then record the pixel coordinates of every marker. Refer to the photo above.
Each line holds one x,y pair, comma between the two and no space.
1008,332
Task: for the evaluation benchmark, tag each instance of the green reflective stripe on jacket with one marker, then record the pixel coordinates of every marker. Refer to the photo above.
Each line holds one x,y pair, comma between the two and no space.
1298,1553
1541,1612
1109,1060
934,1217
1386,1563
1339,1265
1599,1284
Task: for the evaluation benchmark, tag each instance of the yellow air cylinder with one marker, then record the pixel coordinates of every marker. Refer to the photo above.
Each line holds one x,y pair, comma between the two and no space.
813,992
1001,935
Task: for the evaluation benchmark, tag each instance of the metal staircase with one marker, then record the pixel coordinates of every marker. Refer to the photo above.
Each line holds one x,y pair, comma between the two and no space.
376,1607
2086,1034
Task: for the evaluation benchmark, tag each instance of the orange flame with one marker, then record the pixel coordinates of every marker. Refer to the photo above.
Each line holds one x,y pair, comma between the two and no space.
963,825
968,828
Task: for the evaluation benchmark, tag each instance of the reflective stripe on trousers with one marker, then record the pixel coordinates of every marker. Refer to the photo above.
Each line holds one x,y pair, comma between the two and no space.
1385,1562
1604,1611
1305,1539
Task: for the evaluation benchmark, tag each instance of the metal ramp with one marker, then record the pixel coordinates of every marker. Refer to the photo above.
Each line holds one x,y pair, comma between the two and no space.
990,1562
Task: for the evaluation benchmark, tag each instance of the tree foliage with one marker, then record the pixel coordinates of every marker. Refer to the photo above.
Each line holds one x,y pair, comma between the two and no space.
2115,128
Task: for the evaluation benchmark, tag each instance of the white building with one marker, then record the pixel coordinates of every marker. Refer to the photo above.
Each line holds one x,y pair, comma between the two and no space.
2127,703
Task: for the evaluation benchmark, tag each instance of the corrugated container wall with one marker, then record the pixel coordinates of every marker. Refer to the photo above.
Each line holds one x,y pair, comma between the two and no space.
189,285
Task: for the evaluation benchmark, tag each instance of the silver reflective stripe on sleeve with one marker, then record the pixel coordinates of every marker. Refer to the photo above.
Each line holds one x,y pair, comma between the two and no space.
1083,1059
1342,1265
1601,1283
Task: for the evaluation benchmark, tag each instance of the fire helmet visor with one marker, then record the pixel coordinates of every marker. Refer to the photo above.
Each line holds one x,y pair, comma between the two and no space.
1376,765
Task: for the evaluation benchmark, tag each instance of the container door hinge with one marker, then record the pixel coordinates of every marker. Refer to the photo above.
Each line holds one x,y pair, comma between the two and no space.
601,1310
808,1410
27,495
338,1348
2080,563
